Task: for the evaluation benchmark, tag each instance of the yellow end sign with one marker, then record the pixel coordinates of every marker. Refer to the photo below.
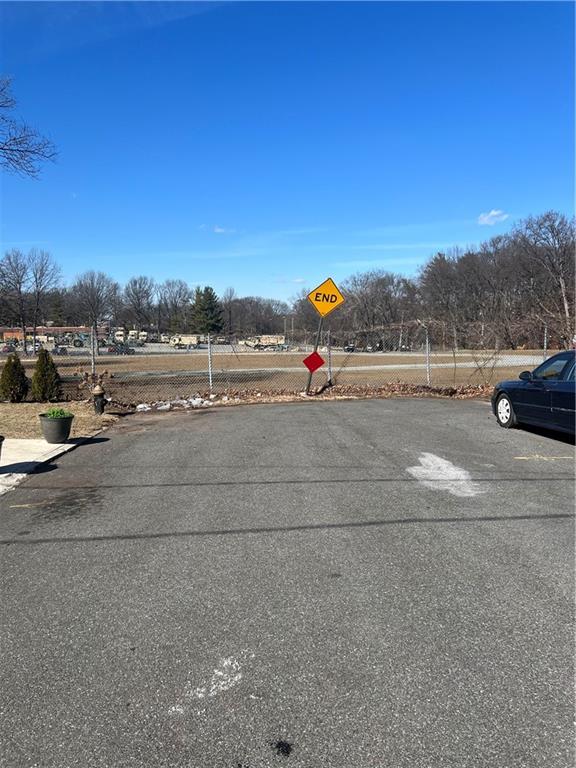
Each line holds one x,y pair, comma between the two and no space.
326,297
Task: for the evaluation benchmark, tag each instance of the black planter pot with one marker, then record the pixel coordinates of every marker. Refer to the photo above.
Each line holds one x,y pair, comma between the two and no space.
56,430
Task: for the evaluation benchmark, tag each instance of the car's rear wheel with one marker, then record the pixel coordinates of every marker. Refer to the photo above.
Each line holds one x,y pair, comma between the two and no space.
505,412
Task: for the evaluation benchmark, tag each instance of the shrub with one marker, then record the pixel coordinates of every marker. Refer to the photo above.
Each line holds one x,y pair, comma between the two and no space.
13,382
57,413
45,381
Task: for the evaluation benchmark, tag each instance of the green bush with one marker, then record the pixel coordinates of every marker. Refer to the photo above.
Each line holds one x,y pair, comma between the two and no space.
57,413
45,381
13,382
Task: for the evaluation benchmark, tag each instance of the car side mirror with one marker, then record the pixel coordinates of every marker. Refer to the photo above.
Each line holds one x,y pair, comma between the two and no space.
526,375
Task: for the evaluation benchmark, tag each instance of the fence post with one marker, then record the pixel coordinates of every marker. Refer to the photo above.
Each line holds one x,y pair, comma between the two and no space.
329,357
427,356
545,341
210,363
93,349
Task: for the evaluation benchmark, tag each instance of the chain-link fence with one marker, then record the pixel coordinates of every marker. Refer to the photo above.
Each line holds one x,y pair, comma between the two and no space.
431,354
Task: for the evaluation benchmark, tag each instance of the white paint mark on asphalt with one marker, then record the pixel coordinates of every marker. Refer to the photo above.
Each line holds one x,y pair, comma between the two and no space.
224,677
441,475
227,675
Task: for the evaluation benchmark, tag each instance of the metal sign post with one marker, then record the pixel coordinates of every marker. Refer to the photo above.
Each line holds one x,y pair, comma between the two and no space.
318,334
329,357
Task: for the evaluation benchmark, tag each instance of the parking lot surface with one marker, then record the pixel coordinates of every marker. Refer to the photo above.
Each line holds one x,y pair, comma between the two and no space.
338,584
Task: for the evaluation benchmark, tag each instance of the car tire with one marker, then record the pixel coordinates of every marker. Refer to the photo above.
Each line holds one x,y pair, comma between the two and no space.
505,415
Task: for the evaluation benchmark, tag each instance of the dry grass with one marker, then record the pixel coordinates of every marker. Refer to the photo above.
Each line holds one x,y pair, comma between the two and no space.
21,419
197,361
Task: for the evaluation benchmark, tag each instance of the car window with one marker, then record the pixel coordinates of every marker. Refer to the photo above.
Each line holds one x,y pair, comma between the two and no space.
552,369
572,373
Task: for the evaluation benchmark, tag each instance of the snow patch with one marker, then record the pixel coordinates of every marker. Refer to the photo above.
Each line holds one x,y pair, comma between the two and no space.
168,405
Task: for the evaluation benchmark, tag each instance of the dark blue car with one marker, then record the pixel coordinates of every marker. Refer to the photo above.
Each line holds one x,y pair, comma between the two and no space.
544,397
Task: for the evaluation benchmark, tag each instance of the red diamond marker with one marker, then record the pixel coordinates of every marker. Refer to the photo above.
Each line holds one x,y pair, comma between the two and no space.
313,362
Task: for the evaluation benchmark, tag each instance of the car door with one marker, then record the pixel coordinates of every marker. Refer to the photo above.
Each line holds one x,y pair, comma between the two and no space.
535,397
563,400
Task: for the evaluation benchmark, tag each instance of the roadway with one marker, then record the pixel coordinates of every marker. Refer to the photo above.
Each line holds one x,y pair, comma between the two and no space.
336,584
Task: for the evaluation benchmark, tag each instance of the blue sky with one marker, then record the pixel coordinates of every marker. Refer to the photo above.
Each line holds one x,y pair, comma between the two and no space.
267,146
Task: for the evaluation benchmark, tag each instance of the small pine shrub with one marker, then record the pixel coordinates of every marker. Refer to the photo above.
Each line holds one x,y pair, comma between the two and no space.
13,381
45,381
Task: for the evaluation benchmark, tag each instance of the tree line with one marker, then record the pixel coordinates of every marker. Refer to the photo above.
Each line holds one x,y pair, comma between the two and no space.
499,294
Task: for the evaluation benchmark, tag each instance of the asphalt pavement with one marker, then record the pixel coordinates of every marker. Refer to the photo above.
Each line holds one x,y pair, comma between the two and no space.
327,584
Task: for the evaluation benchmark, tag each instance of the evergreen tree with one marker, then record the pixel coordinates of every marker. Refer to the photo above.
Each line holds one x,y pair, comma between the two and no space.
57,311
197,312
13,382
45,381
212,311
207,311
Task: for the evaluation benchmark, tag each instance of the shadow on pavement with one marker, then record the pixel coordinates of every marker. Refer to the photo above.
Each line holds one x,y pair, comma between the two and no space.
27,468
559,437
285,529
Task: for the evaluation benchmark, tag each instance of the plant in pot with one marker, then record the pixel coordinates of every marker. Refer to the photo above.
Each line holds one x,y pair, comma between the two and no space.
56,424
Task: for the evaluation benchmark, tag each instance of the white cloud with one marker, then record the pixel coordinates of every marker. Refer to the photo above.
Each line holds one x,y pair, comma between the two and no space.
222,230
285,280
493,217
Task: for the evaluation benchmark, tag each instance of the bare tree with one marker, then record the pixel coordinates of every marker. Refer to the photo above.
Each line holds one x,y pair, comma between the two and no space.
44,277
14,285
118,311
304,315
22,148
95,292
174,299
138,296
255,315
549,242
227,301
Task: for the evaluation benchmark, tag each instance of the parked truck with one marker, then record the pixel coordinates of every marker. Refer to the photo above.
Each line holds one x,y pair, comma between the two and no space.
267,341
187,341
